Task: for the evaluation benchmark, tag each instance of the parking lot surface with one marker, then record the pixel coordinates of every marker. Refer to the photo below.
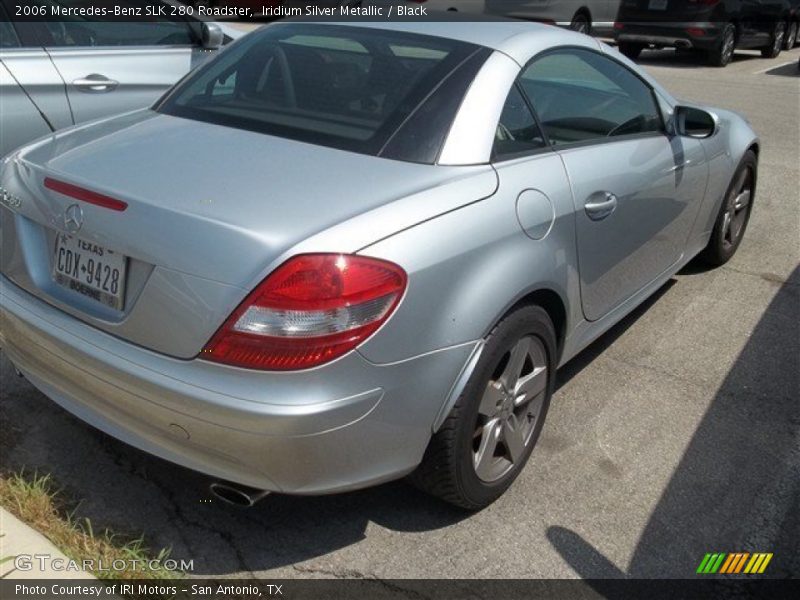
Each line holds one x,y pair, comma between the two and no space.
676,434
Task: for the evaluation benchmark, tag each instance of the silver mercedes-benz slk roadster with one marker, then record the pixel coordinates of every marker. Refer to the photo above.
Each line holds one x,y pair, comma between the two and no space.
338,254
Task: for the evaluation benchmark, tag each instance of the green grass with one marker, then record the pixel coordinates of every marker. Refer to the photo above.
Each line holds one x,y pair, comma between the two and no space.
39,503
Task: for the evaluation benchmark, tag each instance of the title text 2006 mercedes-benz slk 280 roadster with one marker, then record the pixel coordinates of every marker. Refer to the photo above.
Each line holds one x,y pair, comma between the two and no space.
336,255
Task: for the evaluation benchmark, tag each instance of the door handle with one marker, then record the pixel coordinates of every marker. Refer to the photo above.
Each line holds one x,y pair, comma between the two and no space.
95,83
600,205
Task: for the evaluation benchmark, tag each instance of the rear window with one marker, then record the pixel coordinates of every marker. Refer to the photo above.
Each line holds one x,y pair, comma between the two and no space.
347,87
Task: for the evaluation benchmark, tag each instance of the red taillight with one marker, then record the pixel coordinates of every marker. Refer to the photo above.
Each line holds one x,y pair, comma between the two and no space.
696,31
309,311
618,25
79,193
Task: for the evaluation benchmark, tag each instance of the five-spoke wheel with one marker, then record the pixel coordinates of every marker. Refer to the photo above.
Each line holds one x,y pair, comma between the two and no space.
509,409
491,430
734,213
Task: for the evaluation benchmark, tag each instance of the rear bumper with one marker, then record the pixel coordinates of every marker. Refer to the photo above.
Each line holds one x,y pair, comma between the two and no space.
342,426
674,35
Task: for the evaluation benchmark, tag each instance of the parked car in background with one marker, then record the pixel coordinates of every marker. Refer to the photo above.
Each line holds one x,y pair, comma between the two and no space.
792,26
592,17
715,27
337,254
57,74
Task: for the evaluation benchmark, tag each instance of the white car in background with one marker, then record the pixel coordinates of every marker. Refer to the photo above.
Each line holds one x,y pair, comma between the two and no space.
57,74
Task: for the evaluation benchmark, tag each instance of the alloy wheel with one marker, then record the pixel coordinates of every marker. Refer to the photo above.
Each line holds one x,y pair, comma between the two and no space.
509,409
790,38
777,39
580,24
735,216
728,45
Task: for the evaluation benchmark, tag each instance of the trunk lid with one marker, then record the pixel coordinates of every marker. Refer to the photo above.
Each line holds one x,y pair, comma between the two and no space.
209,208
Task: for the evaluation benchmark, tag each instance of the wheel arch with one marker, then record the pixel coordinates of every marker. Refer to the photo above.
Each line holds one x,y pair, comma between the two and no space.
553,304
737,29
546,298
584,10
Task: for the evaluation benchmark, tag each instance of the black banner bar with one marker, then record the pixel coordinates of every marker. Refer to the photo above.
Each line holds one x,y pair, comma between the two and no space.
413,589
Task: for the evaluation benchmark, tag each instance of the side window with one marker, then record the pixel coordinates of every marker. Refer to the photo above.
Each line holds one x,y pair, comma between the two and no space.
517,131
582,96
88,31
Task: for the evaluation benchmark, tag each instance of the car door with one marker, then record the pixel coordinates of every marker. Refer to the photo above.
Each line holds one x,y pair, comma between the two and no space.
33,98
636,190
610,10
111,67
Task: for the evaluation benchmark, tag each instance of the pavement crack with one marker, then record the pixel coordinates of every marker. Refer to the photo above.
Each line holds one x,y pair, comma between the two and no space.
174,506
338,573
354,574
770,277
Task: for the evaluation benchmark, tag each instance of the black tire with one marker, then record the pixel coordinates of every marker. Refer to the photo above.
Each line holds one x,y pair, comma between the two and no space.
581,23
630,49
721,247
449,468
790,39
722,54
776,44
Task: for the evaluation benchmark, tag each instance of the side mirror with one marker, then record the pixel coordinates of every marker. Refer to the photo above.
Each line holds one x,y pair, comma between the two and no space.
694,122
212,35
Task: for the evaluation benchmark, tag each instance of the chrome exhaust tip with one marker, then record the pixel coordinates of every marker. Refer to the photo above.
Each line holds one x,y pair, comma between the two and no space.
237,495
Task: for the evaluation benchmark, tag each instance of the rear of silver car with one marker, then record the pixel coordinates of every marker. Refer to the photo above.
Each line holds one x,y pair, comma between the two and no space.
131,363
118,268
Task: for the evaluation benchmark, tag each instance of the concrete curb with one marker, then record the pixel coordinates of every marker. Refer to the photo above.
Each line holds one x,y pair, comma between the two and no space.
18,539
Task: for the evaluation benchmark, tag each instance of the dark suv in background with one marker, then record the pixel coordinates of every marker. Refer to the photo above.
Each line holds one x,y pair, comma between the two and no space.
716,27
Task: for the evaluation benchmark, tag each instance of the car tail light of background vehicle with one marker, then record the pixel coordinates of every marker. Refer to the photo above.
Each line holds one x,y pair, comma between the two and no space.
309,311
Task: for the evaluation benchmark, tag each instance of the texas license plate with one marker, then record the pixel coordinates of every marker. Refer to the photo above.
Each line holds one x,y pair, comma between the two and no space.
90,269
657,5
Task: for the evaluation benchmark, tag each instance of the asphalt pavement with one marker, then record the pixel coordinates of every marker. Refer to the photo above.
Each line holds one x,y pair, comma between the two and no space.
676,434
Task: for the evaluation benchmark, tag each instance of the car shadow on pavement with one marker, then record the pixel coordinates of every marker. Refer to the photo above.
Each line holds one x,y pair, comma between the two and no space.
737,486
790,70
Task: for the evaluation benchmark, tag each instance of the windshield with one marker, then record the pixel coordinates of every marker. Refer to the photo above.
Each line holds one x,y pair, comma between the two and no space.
340,86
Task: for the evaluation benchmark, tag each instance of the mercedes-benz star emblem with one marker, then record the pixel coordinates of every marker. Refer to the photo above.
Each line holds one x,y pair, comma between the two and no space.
73,218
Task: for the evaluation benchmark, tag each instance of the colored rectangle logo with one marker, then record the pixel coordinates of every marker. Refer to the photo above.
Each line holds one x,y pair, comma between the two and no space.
734,563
